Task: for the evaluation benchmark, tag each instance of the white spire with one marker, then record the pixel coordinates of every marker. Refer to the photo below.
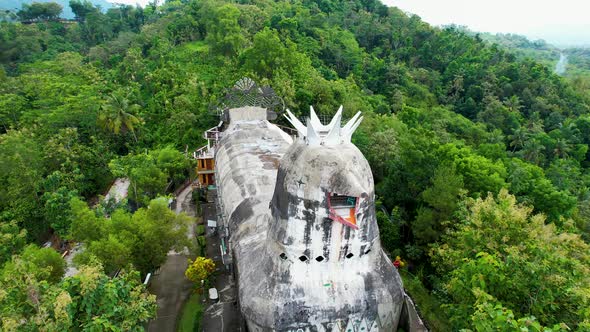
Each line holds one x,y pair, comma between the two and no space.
296,123
312,137
315,133
333,136
351,126
315,121
337,116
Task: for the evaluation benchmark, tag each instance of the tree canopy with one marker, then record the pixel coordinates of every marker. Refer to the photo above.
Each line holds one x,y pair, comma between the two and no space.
40,11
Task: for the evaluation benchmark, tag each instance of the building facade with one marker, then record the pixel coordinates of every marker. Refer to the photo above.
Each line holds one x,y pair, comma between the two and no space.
300,214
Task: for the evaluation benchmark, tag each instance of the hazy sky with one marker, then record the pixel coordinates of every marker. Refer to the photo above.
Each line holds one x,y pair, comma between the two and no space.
558,22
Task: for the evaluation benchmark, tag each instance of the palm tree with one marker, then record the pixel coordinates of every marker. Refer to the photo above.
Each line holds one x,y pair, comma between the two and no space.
533,151
518,138
117,116
513,104
562,148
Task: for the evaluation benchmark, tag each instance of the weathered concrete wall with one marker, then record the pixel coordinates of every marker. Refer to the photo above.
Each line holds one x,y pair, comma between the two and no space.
346,277
274,196
247,158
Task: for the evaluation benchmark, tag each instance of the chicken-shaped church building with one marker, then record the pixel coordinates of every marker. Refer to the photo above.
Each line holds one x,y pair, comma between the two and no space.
303,235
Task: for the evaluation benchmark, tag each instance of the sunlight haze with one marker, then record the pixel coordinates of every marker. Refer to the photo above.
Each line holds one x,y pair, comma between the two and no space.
561,23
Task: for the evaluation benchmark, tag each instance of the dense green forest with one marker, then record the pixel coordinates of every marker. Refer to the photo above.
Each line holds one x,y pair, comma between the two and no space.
480,156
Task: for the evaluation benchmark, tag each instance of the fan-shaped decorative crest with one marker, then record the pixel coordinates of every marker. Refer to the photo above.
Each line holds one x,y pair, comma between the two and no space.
315,133
245,92
245,84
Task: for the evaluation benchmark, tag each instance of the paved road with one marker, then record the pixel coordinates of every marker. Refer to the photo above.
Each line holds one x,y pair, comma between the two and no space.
184,202
169,284
223,316
172,290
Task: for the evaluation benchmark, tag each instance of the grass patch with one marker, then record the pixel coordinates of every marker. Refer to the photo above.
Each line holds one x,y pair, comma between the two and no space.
202,245
428,305
192,312
197,46
198,246
200,230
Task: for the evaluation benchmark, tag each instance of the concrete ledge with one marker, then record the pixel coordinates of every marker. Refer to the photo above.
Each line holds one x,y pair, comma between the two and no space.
410,321
248,113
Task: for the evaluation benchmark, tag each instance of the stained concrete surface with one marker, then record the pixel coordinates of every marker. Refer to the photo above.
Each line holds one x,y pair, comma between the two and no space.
300,267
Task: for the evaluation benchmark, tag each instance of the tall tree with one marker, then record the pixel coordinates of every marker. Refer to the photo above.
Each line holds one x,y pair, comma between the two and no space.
117,114
40,11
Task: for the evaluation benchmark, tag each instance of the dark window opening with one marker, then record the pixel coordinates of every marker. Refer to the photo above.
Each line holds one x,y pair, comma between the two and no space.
368,251
349,255
283,256
342,201
319,258
343,209
303,258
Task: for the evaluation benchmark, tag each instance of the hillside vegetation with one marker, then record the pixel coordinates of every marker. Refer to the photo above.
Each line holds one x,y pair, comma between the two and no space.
577,69
480,156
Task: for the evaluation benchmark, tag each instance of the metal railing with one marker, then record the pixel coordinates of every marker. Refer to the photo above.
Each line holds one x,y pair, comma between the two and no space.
212,135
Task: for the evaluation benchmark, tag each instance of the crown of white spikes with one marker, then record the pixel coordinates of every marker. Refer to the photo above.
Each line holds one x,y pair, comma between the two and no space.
315,133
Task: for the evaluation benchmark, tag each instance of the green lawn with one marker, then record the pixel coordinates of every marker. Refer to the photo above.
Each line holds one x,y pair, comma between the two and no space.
192,312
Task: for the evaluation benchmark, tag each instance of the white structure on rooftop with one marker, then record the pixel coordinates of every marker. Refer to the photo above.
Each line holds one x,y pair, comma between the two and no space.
316,133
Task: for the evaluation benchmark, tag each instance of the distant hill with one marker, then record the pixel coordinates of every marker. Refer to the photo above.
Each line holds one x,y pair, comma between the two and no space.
539,50
577,59
67,12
